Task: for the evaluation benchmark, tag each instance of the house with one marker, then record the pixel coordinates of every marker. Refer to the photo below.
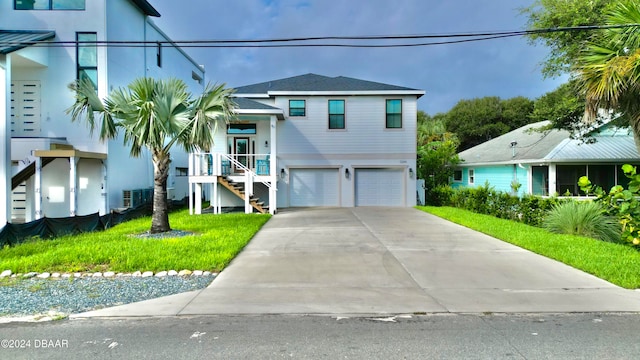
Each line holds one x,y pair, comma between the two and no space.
548,162
313,140
57,168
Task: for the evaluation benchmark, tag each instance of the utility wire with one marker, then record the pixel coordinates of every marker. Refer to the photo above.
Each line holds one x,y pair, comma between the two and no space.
313,41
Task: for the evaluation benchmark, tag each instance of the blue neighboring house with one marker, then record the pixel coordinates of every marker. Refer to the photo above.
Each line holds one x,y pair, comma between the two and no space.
548,162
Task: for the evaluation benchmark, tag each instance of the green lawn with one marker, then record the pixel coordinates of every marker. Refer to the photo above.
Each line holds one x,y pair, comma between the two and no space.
616,263
216,241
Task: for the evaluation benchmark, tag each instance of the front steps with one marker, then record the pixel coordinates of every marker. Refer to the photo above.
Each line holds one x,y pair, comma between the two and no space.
238,190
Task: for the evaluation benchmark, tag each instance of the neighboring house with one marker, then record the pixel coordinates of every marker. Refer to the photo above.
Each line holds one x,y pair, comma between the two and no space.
314,140
548,162
57,169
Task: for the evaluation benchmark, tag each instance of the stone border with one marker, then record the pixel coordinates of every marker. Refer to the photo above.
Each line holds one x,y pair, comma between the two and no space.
107,274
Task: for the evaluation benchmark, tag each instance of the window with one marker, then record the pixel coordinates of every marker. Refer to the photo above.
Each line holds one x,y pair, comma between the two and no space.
472,176
297,108
48,4
457,175
87,57
182,171
336,114
241,129
394,114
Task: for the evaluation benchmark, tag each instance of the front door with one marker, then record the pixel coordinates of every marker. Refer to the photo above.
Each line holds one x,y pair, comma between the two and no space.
241,151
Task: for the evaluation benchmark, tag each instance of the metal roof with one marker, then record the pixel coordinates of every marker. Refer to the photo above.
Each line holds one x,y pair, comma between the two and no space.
551,146
13,40
605,148
320,83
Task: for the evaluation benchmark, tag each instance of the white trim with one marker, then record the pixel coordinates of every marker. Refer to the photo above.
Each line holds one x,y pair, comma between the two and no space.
346,92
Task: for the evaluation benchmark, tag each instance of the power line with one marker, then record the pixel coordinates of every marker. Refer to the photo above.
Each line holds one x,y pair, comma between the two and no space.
313,41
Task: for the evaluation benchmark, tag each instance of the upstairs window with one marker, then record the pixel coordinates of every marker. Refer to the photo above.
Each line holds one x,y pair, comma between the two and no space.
49,4
394,114
87,57
336,114
297,108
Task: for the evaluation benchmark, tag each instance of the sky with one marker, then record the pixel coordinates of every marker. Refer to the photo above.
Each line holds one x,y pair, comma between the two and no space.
505,68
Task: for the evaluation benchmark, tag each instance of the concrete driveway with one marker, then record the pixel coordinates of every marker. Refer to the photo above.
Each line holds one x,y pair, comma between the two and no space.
386,261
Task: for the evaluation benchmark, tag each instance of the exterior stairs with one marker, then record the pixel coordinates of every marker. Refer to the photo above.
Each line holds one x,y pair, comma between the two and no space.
238,190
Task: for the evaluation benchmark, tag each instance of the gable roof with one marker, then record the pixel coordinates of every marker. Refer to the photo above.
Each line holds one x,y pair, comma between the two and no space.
319,84
550,146
14,40
146,8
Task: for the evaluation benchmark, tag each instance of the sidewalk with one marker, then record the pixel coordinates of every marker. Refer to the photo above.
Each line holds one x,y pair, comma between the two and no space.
367,261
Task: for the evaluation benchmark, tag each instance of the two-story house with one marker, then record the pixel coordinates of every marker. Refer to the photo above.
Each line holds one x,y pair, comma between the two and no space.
314,140
57,169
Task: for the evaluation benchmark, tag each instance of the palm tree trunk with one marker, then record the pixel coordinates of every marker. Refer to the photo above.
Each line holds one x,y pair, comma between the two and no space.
160,217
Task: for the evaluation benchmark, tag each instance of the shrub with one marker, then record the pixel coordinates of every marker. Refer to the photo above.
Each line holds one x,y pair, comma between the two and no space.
584,218
439,196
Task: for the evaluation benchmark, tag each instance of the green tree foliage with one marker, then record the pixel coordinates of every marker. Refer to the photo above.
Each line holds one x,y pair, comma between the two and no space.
154,114
478,120
608,70
437,152
621,202
564,46
564,107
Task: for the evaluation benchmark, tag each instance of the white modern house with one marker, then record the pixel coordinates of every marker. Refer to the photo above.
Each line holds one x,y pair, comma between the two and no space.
52,167
313,140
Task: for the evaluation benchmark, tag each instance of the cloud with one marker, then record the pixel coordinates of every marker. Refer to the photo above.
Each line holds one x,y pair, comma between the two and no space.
449,73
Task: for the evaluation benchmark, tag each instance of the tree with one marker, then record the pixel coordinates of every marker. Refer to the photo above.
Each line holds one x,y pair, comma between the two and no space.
154,114
437,152
563,107
478,120
608,70
565,46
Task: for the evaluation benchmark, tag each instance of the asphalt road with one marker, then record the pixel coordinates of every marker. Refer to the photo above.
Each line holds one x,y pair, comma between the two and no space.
474,336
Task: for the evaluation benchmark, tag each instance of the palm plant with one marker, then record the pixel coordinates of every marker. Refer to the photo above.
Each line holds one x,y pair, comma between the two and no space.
584,218
154,114
609,68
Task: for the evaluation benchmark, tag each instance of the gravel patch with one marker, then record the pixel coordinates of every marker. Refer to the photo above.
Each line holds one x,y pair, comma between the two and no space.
75,295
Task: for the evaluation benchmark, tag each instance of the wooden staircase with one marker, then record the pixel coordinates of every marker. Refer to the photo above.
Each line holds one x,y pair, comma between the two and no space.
238,190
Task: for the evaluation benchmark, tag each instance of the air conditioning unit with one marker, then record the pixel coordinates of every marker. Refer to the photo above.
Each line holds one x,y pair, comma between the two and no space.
137,197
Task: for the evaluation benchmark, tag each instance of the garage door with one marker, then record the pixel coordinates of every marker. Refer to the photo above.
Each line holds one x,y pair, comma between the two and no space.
379,187
314,187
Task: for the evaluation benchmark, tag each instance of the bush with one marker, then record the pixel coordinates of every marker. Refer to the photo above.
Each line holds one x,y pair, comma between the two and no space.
439,196
584,218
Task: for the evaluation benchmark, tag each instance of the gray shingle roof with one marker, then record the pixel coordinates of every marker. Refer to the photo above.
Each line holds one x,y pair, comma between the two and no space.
247,104
314,82
531,145
13,40
551,146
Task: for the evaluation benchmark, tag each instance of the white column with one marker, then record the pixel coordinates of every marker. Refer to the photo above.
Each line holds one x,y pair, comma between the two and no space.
273,170
38,188
104,191
552,180
73,176
5,137
197,199
214,198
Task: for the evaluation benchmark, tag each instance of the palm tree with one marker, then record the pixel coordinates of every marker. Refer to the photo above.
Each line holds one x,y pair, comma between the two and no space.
156,115
608,70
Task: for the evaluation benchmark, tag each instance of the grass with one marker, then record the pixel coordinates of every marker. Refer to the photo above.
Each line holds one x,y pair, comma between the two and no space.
216,241
616,263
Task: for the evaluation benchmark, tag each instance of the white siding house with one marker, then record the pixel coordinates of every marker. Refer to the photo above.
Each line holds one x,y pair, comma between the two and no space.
328,141
44,46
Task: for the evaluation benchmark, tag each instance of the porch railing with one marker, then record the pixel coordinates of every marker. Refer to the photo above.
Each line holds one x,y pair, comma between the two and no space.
218,164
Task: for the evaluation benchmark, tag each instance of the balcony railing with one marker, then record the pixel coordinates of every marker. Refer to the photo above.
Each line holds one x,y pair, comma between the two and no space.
218,164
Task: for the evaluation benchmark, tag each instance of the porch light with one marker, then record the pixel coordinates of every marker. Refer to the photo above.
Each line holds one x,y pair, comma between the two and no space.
266,143
282,174
411,172
346,173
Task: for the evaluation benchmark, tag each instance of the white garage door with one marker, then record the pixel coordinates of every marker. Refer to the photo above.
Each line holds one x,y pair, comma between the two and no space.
314,187
380,187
